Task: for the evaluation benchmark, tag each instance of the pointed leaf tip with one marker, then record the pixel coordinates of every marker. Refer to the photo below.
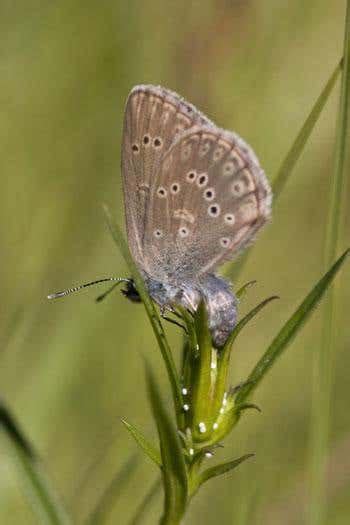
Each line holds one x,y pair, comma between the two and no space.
290,329
222,468
247,406
150,450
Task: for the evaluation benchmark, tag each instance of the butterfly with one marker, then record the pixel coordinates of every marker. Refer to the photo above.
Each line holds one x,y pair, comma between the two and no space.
195,196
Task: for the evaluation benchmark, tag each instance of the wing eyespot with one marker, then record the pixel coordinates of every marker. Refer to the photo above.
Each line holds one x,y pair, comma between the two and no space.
191,176
214,210
202,180
162,192
209,194
175,188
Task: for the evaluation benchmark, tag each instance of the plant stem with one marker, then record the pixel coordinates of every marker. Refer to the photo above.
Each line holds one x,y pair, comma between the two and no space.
323,363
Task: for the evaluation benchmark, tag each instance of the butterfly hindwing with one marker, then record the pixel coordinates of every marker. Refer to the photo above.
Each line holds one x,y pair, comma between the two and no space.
208,199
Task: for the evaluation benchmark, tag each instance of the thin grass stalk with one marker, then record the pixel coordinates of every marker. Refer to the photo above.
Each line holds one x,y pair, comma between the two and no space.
323,361
290,160
43,500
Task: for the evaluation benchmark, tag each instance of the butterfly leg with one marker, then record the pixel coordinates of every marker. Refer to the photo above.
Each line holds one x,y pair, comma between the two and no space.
164,309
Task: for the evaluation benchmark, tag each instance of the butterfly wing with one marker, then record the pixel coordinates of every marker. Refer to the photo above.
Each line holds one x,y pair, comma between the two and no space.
208,199
154,118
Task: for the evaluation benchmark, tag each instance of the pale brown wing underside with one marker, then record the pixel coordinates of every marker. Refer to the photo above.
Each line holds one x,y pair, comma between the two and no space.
195,194
154,118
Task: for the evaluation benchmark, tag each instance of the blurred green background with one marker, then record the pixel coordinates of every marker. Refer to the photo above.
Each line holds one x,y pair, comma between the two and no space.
70,369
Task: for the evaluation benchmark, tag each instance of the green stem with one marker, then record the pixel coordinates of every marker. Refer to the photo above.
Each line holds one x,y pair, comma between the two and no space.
323,363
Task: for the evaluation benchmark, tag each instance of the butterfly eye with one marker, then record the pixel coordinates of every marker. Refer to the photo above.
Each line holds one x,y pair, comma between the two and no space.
146,140
135,148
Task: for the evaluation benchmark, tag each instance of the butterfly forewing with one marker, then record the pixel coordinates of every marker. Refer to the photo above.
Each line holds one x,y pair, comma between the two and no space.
154,118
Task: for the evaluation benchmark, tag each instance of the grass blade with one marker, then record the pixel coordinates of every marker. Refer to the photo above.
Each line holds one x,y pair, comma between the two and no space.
299,143
109,497
174,467
144,443
292,157
151,313
41,496
323,362
8,423
289,330
222,468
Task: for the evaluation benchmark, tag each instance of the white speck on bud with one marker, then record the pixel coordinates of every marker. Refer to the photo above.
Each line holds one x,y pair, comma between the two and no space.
184,391
202,427
222,410
191,451
209,454
186,407
215,426
213,365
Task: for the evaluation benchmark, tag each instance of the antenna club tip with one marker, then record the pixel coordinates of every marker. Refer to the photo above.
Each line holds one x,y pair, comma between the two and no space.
55,295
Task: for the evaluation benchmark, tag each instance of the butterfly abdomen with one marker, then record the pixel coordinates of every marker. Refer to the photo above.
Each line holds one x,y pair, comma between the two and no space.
221,306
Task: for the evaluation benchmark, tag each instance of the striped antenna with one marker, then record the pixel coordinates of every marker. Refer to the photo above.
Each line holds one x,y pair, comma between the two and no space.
56,295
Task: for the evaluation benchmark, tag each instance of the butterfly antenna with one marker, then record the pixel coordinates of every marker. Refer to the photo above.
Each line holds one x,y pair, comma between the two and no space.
118,280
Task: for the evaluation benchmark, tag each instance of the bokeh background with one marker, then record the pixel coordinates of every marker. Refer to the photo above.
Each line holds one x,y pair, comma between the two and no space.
70,369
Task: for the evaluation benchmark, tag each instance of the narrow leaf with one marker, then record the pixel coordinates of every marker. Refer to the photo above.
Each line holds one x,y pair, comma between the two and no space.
222,468
174,467
8,423
42,498
144,443
299,143
110,495
243,290
247,406
323,360
289,330
151,311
